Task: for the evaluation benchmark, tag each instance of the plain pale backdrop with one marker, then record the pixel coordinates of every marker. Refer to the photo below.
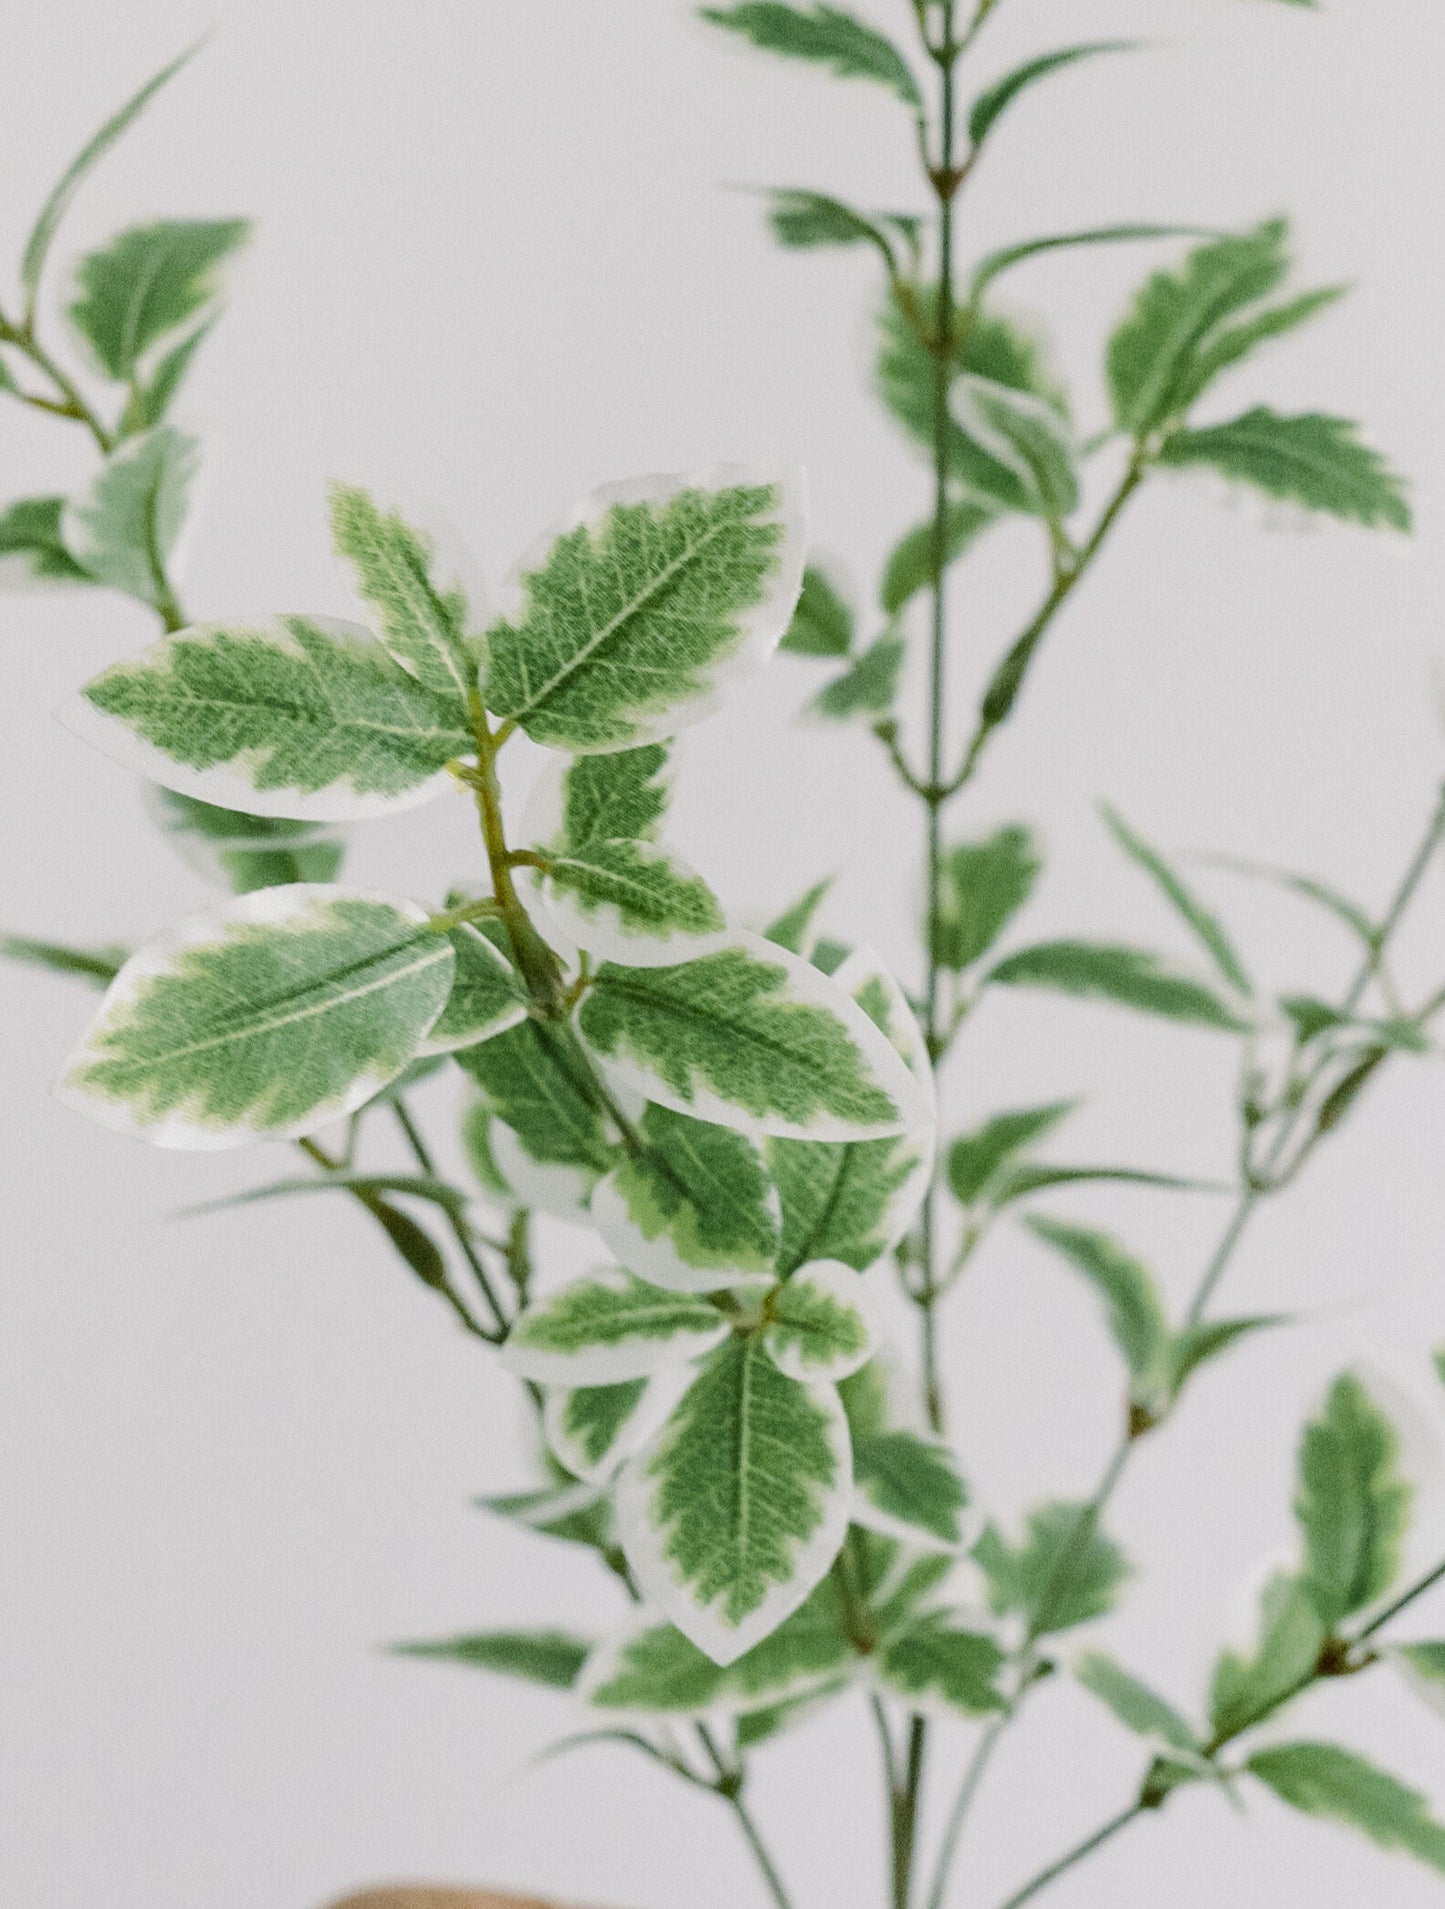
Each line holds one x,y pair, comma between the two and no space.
496,264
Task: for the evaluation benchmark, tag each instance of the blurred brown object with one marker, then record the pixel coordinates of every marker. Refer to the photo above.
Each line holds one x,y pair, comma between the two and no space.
428,1896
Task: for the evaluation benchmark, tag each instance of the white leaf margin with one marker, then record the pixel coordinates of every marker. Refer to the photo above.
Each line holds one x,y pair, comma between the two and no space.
658,1260
612,1363
651,1412
831,1280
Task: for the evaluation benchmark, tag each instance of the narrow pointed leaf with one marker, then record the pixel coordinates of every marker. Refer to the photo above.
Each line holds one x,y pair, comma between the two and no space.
936,1664
1152,355
995,264
553,1658
1205,925
37,246
989,106
1019,1180
794,928
656,595
820,1324
154,395
1196,1345
1137,1321
823,622
1353,1503
1137,1707
148,282
32,546
975,1159
751,1037
651,1669
281,1011
1312,460
123,529
694,1211
302,717
99,966
736,1510
1323,1780
825,35
1248,1687
574,1514
421,607
487,996
984,886
1129,977
1236,342
608,1327
907,1487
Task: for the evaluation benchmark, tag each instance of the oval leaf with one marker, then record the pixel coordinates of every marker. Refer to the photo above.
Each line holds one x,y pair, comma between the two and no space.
821,1324
608,1327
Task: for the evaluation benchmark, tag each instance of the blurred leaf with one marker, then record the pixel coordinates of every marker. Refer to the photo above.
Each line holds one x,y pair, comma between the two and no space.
910,1483
31,546
1350,913
935,1658
1129,977
975,1158
148,282
1353,1503
1197,1345
994,264
1017,1182
153,398
1323,1780
1065,1572
984,885
822,624
910,567
1136,1706
1236,342
541,1657
99,966
56,206
824,35
125,527
869,688
1137,1320
808,221
793,929
1026,436
987,108
1247,1689
1312,460
1337,1104
1206,926
577,1514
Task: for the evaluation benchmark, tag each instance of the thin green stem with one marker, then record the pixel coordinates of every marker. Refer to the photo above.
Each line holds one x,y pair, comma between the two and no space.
1076,1855
729,1786
1401,1603
70,403
962,1803
461,1232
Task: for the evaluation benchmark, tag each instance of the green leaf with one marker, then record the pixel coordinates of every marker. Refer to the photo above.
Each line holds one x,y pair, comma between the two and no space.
1312,460
994,264
37,246
1020,1180
1236,342
275,1014
1323,1780
907,1487
807,221
1423,1666
650,1668
244,852
607,1327
1026,437
987,108
541,1657
975,1159
1153,356
302,717
820,1324
1137,1320
99,966
1247,1689
150,281
632,903
822,624
793,929
852,1202
1129,977
737,1508
911,566
1065,1571
551,1139
1196,1345
751,1037
1136,1706
824,35
869,688
933,1662
32,547
656,595
487,996
984,885
695,1211
153,397
1206,926
412,1185
591,1429
422,614
124,528
575,1514
1340,906
619,797
1353,1504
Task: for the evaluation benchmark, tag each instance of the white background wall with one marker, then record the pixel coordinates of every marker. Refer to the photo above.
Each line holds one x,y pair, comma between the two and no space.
495,263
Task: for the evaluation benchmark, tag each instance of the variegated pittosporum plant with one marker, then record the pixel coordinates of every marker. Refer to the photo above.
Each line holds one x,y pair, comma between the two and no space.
747,1121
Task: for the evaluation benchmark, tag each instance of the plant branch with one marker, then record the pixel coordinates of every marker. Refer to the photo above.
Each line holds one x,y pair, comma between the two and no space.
1078,1854
461,1232
70,402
